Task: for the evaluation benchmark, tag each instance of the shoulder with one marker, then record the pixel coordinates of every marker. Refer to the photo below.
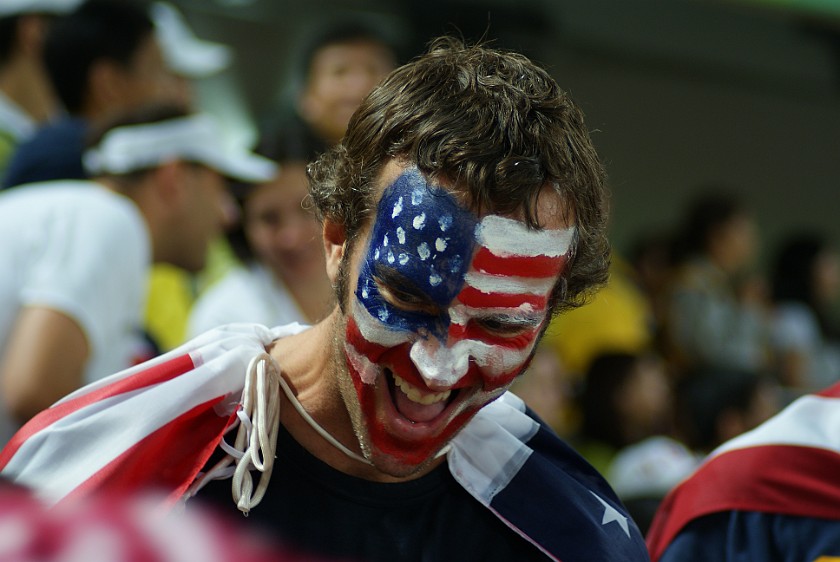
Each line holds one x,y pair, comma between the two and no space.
526,474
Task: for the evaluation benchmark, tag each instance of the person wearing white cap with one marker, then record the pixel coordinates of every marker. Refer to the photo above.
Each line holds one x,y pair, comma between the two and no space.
103,57
76,254
26,95
187,57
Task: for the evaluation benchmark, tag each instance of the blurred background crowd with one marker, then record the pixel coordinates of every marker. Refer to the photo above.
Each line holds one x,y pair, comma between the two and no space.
717,121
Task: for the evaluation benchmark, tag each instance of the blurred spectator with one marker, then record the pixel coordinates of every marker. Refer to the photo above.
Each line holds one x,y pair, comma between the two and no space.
282,277
768,494
715,404
617,318
187,57
102,59
651,258
26,95
105,57
806,285
642,474
172,290
625,398
76,253
547,388
339,66
716,309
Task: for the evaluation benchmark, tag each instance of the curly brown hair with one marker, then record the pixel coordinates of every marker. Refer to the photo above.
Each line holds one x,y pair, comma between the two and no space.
495,123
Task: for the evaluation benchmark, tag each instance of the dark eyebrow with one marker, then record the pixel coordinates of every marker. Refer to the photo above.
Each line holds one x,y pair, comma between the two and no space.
389,278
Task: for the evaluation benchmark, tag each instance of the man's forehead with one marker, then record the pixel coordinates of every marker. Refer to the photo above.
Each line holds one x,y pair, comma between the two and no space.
426,217
551,210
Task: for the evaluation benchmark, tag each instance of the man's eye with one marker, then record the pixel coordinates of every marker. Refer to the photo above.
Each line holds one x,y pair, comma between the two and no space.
506,327
407,301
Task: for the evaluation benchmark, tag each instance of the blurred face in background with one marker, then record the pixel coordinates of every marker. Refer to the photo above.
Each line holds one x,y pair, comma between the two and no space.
826,276
340,76
208,208
285,237
646,397
735,242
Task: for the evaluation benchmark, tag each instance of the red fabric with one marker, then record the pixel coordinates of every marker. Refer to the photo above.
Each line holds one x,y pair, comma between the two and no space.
785,479
176,461
149,377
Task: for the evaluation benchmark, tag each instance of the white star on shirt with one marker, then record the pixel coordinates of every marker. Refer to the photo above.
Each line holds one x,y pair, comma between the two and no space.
612,514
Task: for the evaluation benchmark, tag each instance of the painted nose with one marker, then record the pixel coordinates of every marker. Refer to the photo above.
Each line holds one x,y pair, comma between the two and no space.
440,366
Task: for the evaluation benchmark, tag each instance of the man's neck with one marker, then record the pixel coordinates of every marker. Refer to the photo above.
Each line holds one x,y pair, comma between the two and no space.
307,362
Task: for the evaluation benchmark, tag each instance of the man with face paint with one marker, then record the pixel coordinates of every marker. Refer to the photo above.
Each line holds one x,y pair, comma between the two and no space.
445,313
464,207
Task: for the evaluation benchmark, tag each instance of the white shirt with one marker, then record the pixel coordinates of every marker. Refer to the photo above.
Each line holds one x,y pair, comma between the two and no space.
244,295
78,248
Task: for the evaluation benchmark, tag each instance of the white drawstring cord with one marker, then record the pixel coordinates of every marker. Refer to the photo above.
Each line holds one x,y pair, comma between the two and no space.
260,405
321,431
258,420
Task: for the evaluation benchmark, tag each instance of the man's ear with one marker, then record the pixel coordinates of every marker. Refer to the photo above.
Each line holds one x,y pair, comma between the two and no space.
335,241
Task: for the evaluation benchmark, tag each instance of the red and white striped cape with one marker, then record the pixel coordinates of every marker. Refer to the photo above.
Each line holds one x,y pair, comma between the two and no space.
156,425
789,465
168,413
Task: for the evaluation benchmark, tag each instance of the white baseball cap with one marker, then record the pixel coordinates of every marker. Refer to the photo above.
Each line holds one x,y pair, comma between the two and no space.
184,53
195,138
17,7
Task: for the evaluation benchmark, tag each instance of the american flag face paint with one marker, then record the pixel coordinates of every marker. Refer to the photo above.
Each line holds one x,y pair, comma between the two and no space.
446,312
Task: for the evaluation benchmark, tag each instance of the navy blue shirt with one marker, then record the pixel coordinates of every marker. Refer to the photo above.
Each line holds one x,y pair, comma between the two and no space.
54,152
739,536
310,506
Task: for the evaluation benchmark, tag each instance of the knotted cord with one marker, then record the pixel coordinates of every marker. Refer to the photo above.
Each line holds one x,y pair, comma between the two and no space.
258,420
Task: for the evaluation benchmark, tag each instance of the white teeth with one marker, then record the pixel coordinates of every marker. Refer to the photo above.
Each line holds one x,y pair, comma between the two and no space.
416,396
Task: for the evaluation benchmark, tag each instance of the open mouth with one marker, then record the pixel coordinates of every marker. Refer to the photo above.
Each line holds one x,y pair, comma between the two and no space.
415,404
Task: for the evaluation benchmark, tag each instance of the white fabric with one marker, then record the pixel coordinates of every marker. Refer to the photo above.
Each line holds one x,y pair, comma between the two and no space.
84,251
489,451
244,295
195,138
650,468
810,421
184,53
15,7
221,358
14,119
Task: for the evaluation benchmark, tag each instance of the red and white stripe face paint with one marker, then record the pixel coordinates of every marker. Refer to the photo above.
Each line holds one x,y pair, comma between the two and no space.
446,313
